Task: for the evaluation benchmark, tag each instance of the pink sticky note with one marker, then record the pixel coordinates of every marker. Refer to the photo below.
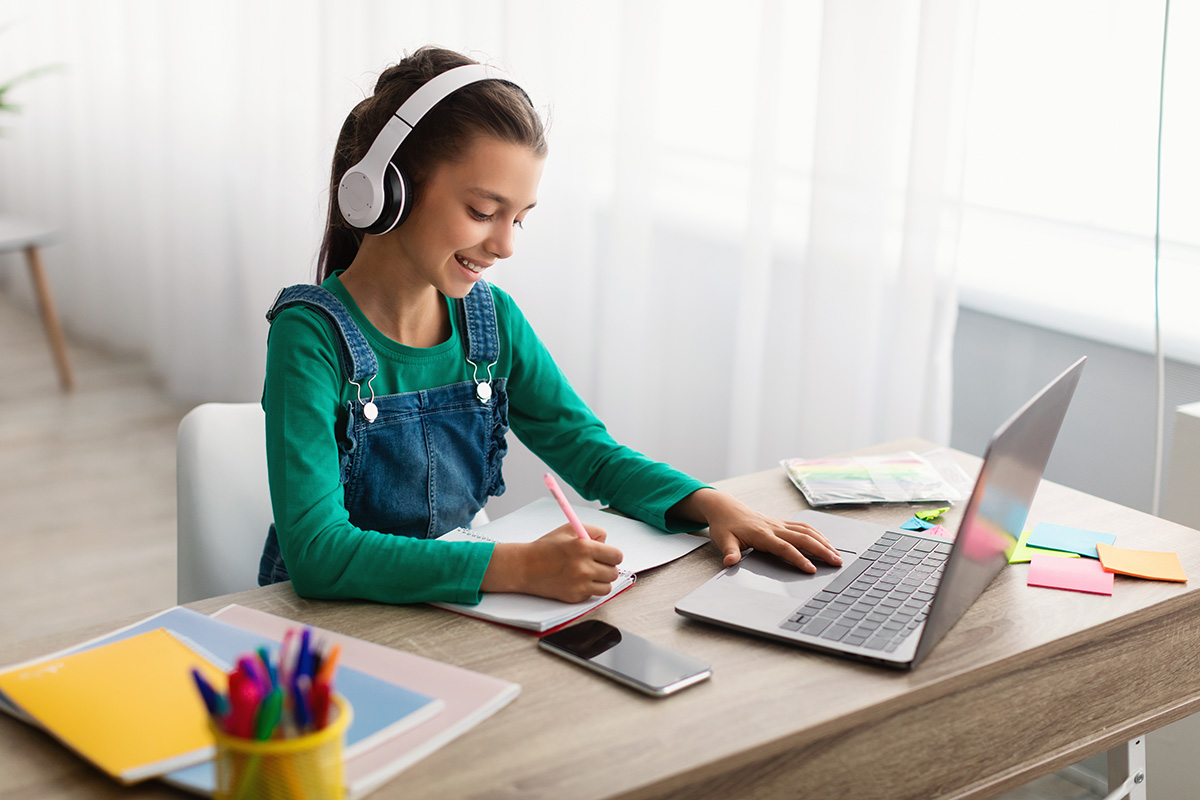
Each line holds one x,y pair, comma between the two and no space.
1076,574
938,530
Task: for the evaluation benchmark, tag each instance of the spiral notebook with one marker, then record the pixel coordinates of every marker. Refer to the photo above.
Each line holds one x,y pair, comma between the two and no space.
643,546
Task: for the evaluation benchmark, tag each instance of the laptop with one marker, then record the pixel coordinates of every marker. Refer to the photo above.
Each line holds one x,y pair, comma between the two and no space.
897,592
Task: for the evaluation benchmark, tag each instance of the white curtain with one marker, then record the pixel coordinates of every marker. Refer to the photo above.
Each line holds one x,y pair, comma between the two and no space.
744,243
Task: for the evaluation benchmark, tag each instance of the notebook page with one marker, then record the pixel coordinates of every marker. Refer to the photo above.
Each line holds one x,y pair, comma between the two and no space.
642,545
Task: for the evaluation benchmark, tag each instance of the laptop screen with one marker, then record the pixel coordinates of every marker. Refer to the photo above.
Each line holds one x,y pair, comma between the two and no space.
995,515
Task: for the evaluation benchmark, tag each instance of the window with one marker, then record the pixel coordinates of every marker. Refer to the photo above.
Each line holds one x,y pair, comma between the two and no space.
1059,185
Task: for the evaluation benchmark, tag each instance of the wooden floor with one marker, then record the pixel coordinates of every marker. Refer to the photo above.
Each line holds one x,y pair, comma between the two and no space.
87,486
87,495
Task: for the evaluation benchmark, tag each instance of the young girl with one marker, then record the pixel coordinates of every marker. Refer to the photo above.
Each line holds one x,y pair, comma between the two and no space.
391,386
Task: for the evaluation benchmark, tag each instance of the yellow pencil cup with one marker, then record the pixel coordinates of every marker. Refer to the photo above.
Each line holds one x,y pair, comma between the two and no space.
306,767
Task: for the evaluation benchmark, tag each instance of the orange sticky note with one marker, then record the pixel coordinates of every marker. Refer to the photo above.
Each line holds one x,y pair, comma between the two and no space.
1141,563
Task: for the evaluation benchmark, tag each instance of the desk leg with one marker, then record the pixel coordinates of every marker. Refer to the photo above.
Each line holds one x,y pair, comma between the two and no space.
1127,770
50,317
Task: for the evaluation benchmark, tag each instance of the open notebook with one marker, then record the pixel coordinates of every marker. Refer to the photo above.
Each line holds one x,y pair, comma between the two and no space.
643,546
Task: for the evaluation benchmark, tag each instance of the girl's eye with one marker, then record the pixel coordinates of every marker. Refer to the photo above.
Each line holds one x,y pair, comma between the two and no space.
519,223
479,215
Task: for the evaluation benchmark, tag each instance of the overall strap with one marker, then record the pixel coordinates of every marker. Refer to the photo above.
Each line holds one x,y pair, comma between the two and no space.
479,325
358,360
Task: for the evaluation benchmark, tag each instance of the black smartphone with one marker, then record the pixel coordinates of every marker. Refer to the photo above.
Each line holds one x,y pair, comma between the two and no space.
626,658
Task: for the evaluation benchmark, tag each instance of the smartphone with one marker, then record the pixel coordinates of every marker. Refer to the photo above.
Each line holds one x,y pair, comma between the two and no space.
626,658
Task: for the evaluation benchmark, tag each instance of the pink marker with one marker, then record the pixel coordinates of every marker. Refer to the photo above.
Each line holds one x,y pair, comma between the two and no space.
572,518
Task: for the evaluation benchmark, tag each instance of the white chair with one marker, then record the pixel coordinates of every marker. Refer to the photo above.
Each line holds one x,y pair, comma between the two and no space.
223,502
224,507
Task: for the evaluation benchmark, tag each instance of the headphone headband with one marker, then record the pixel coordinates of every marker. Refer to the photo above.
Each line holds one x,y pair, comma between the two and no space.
362,197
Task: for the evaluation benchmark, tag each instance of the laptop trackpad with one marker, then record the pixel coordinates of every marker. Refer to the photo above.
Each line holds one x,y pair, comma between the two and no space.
766,573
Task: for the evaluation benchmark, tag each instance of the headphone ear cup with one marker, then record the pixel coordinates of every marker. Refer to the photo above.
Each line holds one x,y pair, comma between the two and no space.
397,201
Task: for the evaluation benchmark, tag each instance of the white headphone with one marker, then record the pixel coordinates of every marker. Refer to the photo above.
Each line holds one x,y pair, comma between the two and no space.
374,195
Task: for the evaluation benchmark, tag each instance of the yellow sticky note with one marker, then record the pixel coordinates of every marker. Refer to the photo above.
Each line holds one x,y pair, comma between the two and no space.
1141,563
1022,553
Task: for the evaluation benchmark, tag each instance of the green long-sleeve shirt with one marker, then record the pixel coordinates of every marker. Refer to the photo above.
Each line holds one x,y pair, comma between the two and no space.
305,397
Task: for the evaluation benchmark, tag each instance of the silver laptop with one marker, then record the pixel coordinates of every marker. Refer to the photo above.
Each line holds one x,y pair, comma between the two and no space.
898,591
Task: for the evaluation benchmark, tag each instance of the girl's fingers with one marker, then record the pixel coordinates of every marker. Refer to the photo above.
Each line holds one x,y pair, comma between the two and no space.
784,549
808,530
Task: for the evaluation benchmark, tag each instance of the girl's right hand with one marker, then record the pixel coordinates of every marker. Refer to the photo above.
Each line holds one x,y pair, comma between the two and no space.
560,565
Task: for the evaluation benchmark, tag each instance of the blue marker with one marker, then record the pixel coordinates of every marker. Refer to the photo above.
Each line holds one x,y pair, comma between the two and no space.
213,700
266,660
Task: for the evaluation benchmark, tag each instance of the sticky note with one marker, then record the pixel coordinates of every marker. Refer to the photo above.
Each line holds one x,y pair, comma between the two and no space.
1141,563
938,530
1076,574
932,513
917,524
1071,540
1023,552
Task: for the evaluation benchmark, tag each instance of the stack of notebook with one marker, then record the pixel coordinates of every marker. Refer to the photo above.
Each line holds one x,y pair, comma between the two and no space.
127,701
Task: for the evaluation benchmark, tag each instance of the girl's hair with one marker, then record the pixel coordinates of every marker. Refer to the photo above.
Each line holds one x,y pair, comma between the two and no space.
497,109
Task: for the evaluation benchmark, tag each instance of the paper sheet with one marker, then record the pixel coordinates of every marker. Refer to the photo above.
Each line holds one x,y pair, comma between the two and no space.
644,547
1023,552
1076,574
1156,566
1071,540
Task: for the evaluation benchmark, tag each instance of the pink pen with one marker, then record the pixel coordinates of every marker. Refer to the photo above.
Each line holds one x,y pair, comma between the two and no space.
557,491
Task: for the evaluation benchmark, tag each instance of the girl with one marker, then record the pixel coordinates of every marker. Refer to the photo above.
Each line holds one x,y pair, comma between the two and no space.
390,387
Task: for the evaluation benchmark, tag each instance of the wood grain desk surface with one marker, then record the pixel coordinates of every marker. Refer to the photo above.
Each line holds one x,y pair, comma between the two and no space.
1029,681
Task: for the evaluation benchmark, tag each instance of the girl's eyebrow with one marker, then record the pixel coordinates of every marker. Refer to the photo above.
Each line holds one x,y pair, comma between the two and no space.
499,198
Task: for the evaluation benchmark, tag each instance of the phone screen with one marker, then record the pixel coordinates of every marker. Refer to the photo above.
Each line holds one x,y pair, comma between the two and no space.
626,657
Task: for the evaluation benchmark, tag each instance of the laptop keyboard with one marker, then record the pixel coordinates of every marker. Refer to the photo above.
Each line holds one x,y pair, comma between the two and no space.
880,598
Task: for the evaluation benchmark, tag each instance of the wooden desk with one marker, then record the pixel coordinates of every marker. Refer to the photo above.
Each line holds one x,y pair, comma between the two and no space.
1029,681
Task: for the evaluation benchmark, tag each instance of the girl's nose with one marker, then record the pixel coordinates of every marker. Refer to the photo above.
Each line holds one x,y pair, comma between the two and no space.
502,242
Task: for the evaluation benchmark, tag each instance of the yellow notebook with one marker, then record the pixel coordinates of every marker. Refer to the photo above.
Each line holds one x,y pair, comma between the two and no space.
130,707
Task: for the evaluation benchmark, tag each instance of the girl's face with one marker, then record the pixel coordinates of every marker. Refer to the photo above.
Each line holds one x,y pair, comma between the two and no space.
467,214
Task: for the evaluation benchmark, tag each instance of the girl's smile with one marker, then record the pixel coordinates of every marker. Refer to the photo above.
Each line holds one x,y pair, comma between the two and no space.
467,213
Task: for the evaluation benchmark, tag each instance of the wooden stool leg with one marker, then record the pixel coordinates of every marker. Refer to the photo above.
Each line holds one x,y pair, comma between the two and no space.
50,318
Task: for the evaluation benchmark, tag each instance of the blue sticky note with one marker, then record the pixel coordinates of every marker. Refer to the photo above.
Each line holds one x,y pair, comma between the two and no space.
1069,540
918,524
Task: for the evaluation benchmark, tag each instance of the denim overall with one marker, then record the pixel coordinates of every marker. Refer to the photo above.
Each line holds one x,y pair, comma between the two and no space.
418,463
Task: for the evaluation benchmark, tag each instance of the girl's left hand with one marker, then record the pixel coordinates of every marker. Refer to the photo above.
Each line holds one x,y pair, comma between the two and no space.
733,526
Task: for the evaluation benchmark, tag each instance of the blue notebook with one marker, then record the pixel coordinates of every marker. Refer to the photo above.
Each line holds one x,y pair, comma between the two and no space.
381,709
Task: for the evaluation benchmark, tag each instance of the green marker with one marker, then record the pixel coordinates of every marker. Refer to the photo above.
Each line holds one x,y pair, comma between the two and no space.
269,714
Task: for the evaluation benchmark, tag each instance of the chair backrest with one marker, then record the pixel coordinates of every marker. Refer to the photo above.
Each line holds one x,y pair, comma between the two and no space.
224,506
223,501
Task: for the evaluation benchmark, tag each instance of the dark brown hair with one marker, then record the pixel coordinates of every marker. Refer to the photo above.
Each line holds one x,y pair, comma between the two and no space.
490,108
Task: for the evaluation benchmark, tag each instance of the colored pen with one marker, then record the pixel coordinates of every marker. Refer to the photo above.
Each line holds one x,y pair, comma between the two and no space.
319,699
329,664
284,659
304,656
301,708
265,721
253,669
572,518
268,715
213,700
265,657
243,702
